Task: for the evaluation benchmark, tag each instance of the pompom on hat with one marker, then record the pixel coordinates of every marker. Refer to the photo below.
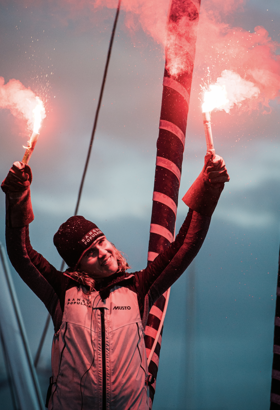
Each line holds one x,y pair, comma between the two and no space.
74,237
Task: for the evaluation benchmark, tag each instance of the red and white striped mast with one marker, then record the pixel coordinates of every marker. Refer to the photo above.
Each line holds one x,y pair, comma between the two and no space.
170,148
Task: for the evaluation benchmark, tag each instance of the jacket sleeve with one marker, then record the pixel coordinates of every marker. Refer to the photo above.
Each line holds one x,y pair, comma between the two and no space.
41,277
202,198
169,265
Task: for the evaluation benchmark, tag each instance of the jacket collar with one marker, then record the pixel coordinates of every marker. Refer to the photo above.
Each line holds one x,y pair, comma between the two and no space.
103,285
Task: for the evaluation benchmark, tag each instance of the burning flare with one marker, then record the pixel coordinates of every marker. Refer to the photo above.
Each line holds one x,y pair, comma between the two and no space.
214,98
38,114
22,102
229,90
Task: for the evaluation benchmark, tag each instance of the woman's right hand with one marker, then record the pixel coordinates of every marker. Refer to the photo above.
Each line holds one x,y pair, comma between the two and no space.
18,179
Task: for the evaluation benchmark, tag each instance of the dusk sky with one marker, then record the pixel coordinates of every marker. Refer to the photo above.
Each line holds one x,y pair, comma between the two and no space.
218,336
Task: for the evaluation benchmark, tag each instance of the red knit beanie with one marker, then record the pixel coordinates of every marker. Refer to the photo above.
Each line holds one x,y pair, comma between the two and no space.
74,237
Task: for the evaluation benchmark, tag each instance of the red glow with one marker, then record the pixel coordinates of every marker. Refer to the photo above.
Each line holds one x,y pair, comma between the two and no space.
253,55
229,90
22,102
214,98
39,114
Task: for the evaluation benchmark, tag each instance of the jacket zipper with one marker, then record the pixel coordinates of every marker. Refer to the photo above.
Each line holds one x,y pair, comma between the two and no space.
103,360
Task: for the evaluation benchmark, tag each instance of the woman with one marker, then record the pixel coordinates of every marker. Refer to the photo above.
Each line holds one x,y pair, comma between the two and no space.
99,310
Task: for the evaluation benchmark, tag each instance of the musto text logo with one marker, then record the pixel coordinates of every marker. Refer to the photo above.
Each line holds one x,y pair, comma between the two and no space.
121,307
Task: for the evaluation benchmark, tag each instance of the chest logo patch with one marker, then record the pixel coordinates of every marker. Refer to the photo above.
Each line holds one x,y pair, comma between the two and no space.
79,301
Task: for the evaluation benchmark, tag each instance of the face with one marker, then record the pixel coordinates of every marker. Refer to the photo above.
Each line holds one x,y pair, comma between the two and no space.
100,259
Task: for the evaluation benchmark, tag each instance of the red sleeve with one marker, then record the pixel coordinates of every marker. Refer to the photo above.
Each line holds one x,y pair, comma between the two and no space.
50,273
169,265
41,277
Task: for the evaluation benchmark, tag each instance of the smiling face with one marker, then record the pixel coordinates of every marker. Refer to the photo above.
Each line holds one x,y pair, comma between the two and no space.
100,259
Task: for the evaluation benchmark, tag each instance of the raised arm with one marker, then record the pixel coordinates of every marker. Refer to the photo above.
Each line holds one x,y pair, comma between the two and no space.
202,198
36,271
17,251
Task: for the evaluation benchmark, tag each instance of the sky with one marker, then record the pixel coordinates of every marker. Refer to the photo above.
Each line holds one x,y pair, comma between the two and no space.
218,334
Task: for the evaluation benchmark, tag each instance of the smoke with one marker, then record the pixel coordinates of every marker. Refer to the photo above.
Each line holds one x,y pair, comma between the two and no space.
151,16
251,55
219,46
221,8
171,24
181,37
19,100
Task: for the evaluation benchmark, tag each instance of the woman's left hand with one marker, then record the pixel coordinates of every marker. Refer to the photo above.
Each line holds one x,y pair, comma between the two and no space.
216,170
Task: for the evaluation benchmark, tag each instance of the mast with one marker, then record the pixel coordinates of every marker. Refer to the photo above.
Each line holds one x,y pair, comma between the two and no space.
181,38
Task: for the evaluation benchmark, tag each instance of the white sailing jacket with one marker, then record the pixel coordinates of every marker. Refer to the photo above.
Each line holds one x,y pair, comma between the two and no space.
90,351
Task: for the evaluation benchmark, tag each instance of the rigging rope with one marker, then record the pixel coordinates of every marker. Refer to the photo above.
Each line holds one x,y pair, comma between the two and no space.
38,353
